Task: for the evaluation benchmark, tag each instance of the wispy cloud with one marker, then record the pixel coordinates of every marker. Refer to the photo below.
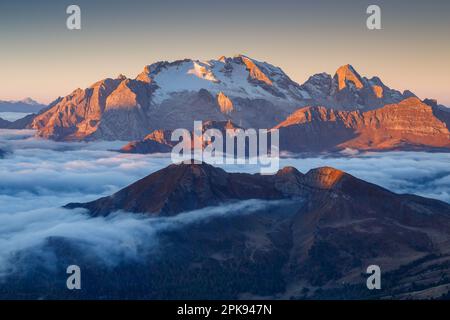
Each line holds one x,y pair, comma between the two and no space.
112,239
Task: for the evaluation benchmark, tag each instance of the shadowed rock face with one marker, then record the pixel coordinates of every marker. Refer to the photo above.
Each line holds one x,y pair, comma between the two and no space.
325,229
22,123
159,141
409,124
184,187
4,123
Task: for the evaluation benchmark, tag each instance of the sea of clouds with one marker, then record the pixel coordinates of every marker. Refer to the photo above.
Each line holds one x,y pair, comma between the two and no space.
38,176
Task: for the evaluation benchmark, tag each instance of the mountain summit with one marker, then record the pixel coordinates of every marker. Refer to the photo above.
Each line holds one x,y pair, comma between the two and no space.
348,90
182,187
347,74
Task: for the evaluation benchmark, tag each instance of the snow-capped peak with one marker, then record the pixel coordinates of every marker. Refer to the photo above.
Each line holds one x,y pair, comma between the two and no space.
239,76
28,100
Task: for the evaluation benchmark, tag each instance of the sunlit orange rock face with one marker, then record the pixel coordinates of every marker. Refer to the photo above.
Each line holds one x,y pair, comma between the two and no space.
161,136
409,124
255,72
122,97
324,178
347,73
103,108
378,91
170,95
253,94
225,104
87,105
144,76
157,141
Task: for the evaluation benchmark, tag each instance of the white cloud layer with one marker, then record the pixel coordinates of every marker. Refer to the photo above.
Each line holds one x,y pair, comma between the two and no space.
38,176
110,239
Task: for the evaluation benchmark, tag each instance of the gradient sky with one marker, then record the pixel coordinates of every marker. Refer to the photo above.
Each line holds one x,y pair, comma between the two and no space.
40,58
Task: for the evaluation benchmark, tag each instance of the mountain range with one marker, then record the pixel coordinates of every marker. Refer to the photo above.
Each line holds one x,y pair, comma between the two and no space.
315,241
408,125
169,95
325,114
26,105
159,141
22,123
307,236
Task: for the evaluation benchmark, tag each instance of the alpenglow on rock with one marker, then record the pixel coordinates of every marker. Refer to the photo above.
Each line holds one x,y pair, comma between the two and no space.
347,90
408,125
170,95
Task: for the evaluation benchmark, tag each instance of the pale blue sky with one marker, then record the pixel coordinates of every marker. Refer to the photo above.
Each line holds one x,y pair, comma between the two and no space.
42,59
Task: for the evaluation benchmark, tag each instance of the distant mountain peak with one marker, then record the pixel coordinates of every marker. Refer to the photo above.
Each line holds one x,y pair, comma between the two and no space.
347,73
27,101
27,105
30,101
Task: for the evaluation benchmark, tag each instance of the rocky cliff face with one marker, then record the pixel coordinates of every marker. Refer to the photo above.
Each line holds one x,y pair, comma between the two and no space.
110,108
410,124
170,95
322,231
184,187
347,90
159,141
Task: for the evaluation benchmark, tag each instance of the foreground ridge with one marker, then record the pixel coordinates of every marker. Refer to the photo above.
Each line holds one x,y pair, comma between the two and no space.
322,230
